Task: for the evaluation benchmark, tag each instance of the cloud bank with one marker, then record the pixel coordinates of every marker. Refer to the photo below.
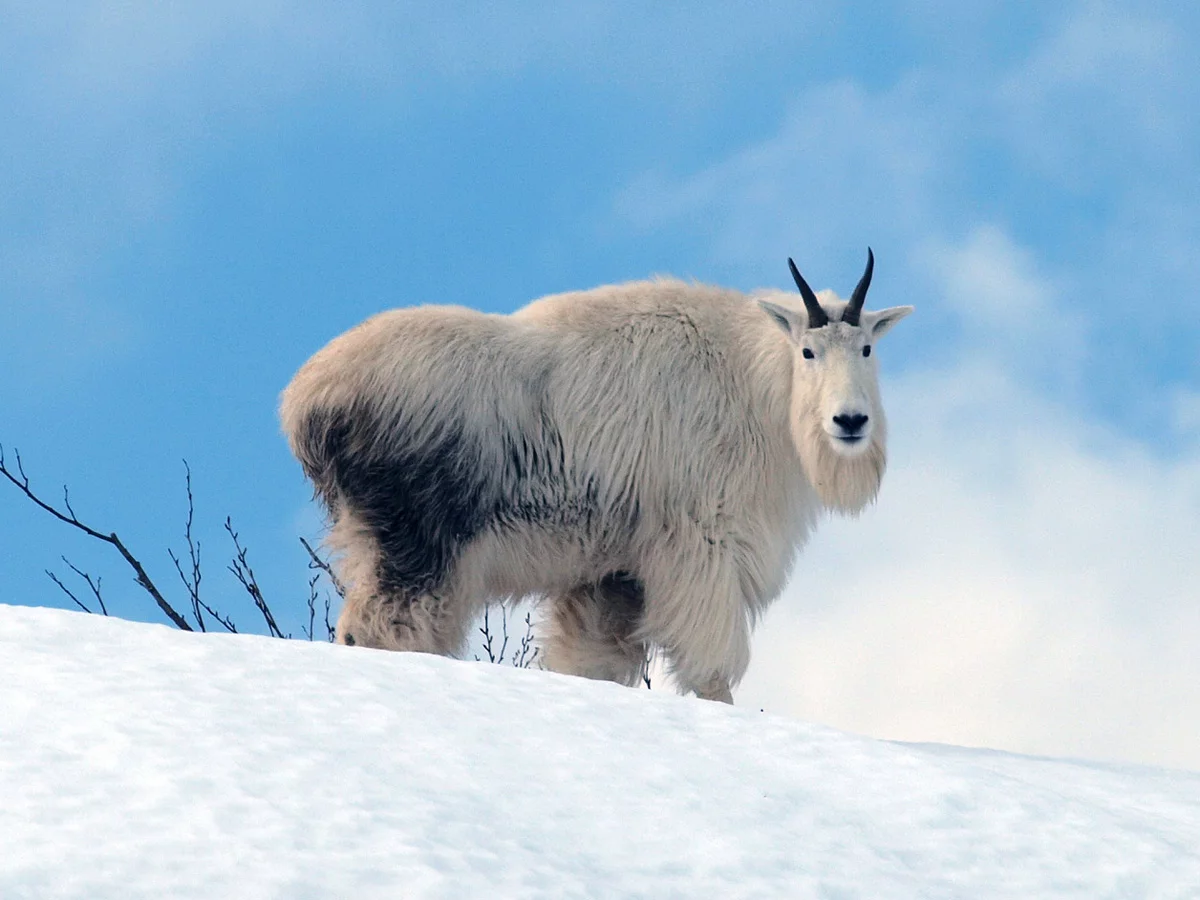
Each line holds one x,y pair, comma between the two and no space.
1030,577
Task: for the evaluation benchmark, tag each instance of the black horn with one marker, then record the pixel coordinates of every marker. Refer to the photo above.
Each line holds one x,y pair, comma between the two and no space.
854,307
816,315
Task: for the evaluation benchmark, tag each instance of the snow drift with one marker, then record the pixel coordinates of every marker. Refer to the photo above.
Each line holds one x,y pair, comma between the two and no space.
137,761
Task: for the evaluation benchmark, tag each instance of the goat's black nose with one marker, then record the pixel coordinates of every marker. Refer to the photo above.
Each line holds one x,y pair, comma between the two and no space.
850,424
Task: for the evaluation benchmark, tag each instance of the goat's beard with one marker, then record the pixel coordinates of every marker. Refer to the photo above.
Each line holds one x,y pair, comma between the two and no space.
845,484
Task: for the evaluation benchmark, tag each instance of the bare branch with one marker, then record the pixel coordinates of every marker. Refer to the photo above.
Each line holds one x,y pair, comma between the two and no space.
67,591
312,606
316,562
23,484
320,565
192,583
526,653
529,650
67,502
21,480
330,632
310,631
191,587
495,655
504,629
486,631
94,585
224,621
240,567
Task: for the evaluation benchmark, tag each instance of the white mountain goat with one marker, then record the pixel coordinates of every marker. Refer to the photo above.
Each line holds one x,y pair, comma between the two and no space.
648,457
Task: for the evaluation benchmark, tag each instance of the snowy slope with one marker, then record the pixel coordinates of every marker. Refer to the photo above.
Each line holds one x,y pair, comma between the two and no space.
141,762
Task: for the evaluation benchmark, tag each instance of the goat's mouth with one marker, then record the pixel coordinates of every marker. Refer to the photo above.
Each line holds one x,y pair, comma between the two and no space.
849,445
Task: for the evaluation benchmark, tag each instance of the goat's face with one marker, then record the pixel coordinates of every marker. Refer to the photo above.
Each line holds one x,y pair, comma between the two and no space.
837,419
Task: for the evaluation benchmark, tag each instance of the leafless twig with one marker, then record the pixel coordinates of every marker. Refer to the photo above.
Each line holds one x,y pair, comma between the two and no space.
21,480
320,566
485,629
192,582
93,585
225,621
310,631
316,562
190,575
240,567
312,607
529,651
523,657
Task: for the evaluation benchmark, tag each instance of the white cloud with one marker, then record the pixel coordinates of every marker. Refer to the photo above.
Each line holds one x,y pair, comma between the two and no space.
845,164
1100,113
1031,576
992,280
1091,131
1028,580
1106,90
1010,311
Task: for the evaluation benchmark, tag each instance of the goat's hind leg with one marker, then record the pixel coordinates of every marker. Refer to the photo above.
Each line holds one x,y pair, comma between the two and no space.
591,631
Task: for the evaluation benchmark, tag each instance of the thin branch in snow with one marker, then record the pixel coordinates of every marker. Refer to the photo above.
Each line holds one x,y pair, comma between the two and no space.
240,567
312,606
21,480
316,562
523,657
486,631
529,651
94,586
192,582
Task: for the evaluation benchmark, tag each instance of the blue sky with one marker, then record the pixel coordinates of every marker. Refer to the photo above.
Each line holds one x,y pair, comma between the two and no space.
197,198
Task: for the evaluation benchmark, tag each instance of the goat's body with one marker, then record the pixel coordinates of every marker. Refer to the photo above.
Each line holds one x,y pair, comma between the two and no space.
624,452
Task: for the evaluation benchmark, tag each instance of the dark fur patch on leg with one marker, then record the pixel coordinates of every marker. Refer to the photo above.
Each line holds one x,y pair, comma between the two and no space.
594,627
421,501
626,596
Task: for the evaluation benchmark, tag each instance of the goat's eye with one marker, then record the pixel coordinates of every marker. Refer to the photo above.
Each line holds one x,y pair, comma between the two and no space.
808,354
867,350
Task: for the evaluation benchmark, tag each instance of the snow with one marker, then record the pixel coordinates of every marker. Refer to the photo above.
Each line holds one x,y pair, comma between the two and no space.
138,761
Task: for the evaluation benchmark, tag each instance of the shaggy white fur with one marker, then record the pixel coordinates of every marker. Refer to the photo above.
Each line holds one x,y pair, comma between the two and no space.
648,457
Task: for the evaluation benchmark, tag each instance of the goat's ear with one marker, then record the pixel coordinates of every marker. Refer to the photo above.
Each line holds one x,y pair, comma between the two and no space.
790,321
879,322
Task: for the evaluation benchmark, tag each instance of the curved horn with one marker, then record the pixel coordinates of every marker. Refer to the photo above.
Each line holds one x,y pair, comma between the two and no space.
816,315
854,307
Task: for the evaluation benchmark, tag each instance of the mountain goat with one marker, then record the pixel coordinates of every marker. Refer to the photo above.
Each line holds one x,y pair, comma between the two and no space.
648,457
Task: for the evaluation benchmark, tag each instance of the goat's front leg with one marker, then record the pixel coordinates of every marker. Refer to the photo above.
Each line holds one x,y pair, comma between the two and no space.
716,689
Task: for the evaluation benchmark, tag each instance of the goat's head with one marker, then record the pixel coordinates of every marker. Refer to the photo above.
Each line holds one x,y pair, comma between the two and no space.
837,419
